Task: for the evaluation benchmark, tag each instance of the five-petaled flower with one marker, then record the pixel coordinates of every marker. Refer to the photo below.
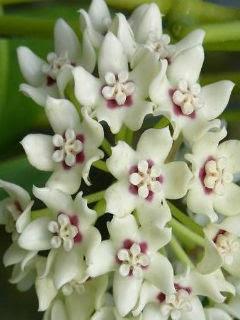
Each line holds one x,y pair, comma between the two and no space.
70,152
144,179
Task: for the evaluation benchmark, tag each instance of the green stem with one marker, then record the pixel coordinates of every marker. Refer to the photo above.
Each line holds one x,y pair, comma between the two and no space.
121,135
101,165
185,220
163,122
180,253
215,32
232,46
36,214
100,207
69,92
186,233
106,146
27,26
175,147
94,197
129,136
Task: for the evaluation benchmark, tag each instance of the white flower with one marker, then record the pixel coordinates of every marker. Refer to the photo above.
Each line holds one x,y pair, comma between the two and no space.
146,23
52,76
213,189
191,109
15,214
132,253
184,303
68,234
222,246
71,151
78,305
144,180
117,96
15,210
96,21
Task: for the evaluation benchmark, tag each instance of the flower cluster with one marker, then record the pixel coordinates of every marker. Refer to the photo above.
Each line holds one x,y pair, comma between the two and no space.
126,82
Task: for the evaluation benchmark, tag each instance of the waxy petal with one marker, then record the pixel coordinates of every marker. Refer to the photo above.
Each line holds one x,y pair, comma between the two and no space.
39,150
155,144
31,66
230,150
99,15
111,56
36,236
215,97
228,204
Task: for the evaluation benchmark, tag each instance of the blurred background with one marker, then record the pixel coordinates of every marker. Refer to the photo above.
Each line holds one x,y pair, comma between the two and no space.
19,115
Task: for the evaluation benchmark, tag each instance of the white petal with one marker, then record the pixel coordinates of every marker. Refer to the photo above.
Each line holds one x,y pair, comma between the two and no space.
92,129
216,314
155,237
121,229
176,179
155,144
215,97
125,300
197,311
211,260
120,200
39,94
67,181
201,203
102,259
46,292
123,31
152,312
187,65
67,266
66,41
230,150
231,224
87,87
62,115
31,66
191,40
58,311
16,193
111,56
210,285
24,219
55,200
153,213
87,216
13,255
88,57
228,204
100,15
36,236
144,72
160,273
39,149
63,78
148,22
135,115
95,37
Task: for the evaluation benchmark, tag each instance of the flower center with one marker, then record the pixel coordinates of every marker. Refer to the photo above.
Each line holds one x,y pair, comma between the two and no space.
159,46
146,178
73,286
55,64
118,88
64,232
173,305
68,148
227,244
133,259
187,97
216,175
